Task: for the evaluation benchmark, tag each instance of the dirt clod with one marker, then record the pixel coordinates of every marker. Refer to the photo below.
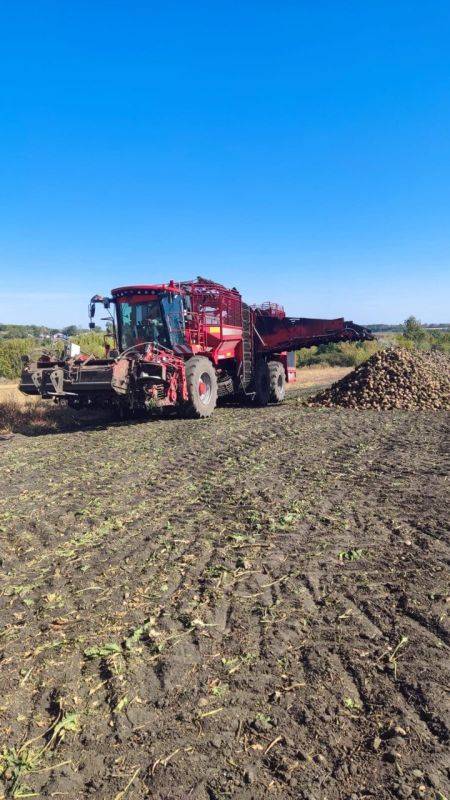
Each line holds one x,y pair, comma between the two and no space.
376,744
249,775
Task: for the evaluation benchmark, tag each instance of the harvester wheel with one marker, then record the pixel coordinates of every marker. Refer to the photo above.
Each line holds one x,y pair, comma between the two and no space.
201,382
262,384
277,379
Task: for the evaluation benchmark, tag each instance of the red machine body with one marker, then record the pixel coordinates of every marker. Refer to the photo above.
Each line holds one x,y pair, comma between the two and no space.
186,343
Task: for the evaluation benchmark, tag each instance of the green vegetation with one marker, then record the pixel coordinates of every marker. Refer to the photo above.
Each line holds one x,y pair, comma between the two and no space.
24,331
18,763
411,335
381,328
11,350
91,342
418,336
344,354
353,554
34,331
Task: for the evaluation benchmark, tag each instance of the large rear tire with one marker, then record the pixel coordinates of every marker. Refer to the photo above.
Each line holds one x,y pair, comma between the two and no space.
277,380
262,383
201,382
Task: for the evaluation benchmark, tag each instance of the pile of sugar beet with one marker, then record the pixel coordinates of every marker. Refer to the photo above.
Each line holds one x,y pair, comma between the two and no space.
394,378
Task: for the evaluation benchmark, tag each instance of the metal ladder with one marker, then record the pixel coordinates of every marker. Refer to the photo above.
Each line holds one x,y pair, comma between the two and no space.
247,346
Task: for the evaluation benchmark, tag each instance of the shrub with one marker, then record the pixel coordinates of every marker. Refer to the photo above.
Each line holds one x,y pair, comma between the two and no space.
416,337
91,343
342,354
10,352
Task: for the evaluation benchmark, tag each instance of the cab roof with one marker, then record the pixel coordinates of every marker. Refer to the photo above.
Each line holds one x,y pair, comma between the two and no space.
146,288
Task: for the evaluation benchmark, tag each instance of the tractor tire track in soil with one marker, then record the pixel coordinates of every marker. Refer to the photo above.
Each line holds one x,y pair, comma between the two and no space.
243,607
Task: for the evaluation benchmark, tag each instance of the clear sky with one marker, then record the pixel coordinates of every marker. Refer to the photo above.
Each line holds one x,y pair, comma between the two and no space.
299,150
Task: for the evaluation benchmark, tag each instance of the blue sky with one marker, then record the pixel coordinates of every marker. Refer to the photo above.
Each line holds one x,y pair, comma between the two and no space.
297,150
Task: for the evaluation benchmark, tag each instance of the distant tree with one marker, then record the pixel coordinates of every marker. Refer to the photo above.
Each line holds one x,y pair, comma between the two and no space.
70,330
414,330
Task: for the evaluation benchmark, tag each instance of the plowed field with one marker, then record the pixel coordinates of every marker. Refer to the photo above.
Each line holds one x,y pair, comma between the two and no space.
250,606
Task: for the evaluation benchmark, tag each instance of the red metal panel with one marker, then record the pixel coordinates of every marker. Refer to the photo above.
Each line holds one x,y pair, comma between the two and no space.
291,333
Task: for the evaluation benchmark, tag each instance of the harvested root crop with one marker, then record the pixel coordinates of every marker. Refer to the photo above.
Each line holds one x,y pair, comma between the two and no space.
393,378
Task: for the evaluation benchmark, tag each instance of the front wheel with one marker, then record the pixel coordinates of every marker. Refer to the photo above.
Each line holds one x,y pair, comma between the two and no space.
201,380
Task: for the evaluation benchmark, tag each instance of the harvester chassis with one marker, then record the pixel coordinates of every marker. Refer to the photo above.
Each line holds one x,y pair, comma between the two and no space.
203,344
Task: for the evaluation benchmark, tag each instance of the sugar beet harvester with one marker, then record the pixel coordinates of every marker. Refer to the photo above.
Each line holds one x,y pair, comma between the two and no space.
183,344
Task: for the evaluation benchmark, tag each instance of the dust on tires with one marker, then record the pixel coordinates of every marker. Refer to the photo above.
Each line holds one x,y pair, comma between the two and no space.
201,380
277,382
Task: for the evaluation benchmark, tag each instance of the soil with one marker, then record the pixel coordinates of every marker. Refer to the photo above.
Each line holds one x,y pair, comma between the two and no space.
249,606
317,376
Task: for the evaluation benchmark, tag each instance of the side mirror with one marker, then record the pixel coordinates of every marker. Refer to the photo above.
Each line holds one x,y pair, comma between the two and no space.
106,302
92,326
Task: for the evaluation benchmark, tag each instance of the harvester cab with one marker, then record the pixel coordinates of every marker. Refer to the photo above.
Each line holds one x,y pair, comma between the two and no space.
143,314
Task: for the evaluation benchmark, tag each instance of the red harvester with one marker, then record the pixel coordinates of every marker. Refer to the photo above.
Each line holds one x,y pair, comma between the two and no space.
184,344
